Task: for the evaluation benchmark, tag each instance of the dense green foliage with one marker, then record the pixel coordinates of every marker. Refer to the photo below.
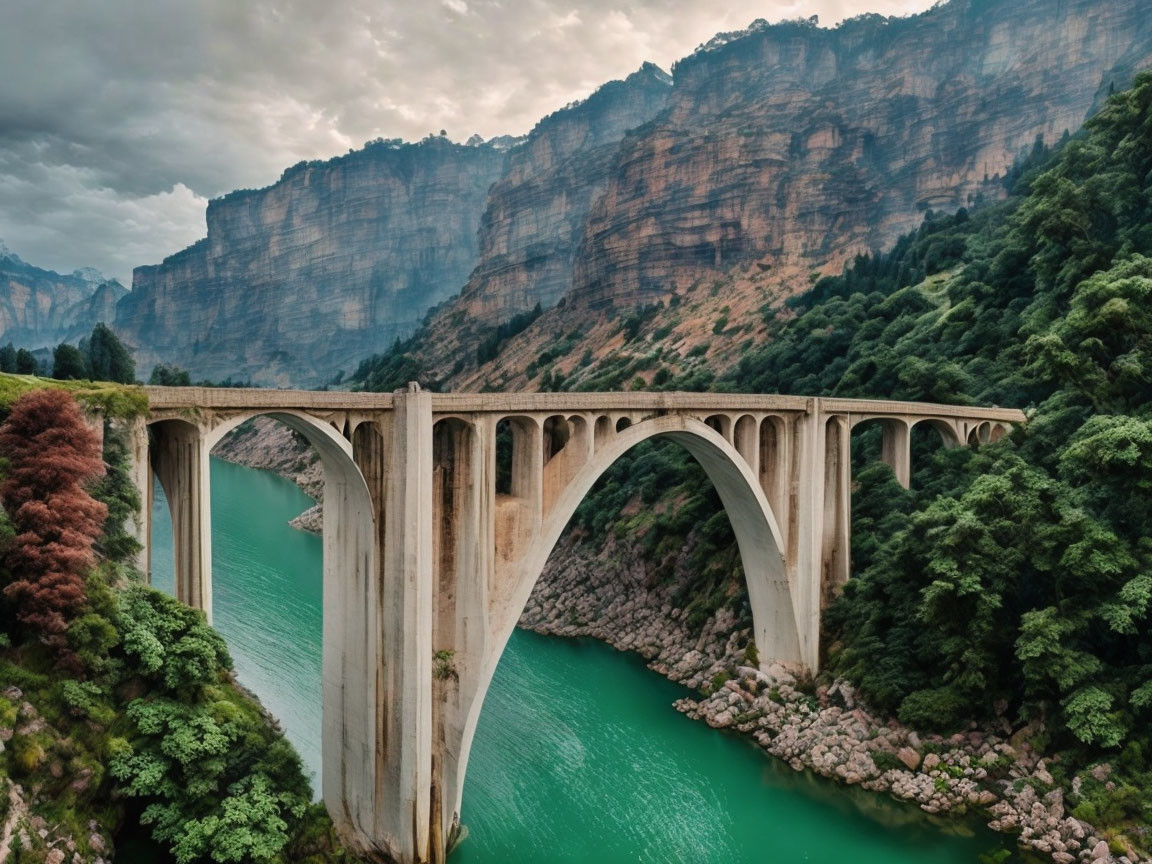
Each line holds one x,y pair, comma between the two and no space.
165,375
490,345
100,356
150,714
68,363
17,361
1024,583
383,373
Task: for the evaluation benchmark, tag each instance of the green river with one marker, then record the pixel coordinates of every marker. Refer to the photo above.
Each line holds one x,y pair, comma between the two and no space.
579,756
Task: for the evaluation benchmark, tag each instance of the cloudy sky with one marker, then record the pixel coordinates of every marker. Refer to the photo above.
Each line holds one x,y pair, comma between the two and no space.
119,119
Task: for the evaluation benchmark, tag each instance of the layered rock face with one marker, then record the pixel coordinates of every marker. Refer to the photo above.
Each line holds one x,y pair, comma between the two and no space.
333,262
41,308
537,211
778,150
798,144
340,258
785,149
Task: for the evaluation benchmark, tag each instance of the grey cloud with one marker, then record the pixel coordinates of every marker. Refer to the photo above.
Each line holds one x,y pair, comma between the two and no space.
118,120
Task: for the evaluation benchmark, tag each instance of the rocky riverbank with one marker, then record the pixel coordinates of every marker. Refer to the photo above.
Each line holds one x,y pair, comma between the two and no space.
822,727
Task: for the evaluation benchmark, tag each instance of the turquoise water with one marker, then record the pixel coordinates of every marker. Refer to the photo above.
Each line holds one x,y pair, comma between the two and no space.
579,756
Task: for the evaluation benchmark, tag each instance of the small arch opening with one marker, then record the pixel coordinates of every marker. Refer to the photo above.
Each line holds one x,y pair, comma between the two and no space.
556,436
623,423
944,431
515,471
603,429
981,434
745,439
721,424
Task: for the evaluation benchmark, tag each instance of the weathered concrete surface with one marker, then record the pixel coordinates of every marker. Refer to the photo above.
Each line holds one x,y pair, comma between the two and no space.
430,555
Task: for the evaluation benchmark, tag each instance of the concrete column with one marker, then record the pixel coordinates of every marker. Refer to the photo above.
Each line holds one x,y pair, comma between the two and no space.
820,513
368,452
180,459
806,534
561,467
403,815
746,438
464,500
896,450
528,461
775,470
836,557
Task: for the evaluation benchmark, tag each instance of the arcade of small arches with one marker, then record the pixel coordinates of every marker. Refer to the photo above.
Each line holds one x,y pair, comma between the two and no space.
432,545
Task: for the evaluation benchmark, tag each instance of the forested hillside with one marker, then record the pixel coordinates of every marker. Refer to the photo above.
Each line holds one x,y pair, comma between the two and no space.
1010,585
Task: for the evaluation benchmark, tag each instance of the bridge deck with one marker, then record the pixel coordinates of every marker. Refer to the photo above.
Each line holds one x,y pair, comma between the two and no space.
467,403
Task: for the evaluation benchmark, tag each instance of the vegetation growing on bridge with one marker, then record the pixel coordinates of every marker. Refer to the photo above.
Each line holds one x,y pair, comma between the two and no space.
112,400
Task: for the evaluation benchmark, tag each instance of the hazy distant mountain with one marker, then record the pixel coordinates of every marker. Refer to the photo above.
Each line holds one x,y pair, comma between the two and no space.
41,308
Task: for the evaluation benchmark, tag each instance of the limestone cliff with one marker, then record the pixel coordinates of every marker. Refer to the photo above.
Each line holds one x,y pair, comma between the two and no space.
780,149
339,258
803,144
786,149
536,213
41,308
334,261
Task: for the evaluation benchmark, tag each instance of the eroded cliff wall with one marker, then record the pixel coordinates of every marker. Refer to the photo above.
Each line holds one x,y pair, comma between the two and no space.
787,149
775,151
795,143
334,261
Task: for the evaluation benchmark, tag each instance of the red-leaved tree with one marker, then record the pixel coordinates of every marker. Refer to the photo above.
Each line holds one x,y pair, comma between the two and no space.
52,454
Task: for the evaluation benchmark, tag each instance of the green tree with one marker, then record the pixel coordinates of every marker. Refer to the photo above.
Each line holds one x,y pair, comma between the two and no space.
68,363
107,358
26,362
164,375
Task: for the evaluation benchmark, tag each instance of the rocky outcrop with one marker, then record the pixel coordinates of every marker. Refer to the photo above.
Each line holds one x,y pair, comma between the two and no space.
41,308
336,260
788,149
784,148
50,770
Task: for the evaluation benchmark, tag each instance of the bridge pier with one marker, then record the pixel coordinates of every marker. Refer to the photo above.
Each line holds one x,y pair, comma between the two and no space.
429,561
179,456
896,450
405,783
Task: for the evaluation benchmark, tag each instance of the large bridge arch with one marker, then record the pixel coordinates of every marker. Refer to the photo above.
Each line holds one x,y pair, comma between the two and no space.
180,456
757,533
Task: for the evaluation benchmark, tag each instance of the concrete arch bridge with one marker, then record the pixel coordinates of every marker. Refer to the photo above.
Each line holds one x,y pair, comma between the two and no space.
430,552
